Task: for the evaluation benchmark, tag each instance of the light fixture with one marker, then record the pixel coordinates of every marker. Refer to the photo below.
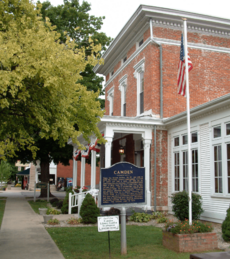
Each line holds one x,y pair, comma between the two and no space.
121,150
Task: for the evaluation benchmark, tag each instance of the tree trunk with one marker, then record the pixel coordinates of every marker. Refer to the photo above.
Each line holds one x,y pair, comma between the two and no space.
45,171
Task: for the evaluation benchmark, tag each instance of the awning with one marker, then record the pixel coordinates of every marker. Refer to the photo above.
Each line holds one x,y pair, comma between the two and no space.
24,173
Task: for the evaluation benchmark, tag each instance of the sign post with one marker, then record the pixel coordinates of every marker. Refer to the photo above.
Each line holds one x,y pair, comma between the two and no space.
122,185
110,223
42,186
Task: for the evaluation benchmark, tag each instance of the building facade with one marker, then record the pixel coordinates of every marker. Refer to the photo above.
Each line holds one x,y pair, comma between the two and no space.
145,114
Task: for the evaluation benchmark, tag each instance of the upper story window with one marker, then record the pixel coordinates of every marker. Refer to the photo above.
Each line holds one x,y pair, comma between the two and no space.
139,42
139,75
124,59
228,129
111,73
123,89
110,98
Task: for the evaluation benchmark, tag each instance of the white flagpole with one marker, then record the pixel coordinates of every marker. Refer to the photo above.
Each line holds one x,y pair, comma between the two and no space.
188,124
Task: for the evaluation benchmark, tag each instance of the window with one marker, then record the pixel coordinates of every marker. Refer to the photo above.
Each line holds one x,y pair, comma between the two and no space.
185,170
194,137
184,140
217,132
228,166
140,42
228,129
139,75
123,89
218,169
181,162
195,170
176,141
142,93
124,59
177,170
110,98
124,104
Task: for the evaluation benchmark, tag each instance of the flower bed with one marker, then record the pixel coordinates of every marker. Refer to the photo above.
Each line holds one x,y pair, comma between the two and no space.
181,237
196,242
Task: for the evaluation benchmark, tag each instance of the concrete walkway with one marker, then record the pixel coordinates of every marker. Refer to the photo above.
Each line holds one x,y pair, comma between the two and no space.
22,234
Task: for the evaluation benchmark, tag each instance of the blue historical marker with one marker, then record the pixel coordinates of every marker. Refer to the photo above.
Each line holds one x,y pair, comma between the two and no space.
122,184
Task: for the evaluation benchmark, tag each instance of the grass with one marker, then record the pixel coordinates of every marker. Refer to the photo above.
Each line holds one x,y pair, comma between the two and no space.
2,207
87,242
3,198
38,204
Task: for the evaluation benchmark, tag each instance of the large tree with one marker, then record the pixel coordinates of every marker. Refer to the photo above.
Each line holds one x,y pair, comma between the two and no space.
68,16
40,93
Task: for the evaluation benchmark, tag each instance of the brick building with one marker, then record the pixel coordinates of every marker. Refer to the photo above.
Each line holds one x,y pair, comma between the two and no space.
145,114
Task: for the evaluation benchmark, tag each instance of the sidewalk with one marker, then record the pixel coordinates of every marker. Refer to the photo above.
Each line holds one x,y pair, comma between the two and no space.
22,234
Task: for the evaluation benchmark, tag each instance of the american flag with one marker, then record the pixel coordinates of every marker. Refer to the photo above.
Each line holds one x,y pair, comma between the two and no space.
85,153
77,153
181,79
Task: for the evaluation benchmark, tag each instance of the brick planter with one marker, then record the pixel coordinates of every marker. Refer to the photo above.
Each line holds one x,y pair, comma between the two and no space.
196,242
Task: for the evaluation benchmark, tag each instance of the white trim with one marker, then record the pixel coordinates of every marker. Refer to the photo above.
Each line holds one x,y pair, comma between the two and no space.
139,69
123,89
110,98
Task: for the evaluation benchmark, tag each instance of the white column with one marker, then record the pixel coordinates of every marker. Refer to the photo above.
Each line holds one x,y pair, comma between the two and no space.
108,151
74,169
147,143
93,169
82,172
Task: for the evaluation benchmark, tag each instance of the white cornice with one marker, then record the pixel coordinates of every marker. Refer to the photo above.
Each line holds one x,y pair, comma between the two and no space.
169,18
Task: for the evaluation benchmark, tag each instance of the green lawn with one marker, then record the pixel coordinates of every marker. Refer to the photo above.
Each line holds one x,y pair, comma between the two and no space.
38,204
2,207
87,242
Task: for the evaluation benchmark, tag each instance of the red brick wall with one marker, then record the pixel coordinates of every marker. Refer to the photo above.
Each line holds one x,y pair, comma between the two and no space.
162,169
197,242
67,171
209,78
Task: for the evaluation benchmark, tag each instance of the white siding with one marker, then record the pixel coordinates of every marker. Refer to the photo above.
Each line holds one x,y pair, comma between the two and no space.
169,172
205,170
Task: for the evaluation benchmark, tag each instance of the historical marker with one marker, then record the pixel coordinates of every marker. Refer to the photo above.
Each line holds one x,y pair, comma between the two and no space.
109,223
122,184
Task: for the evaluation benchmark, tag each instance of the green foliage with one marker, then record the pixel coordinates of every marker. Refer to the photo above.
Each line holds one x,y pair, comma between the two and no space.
74,221
53,222
180,205
226,227
162,220
52,211
89,210
5,171
184,227
65,204
158,215
40,93
140,217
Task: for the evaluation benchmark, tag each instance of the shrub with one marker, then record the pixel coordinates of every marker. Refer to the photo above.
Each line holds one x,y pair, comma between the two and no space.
113,212
180,205
53,222
226,227
158,215
89,210
184,227
54,201
59,204
65,203
52,211
140,217
162,220
18,185
74,221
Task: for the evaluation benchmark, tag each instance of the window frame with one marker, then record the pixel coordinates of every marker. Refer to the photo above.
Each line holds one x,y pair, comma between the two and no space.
123,90
181,149
139,69
110,98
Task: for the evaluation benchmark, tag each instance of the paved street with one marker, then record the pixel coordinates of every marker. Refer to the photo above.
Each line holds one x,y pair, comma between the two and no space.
22,233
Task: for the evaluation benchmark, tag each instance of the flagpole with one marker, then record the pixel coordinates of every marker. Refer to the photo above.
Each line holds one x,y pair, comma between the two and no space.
188,123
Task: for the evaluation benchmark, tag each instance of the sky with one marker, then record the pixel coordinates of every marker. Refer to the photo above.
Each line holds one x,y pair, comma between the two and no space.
118,12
